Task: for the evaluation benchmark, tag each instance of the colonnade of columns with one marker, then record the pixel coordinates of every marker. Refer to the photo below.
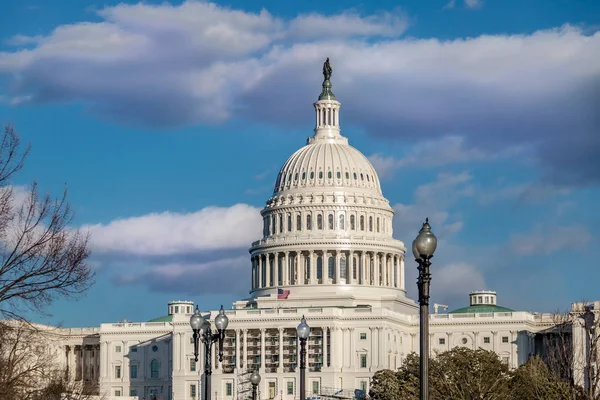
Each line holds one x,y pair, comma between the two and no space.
340,348
314,267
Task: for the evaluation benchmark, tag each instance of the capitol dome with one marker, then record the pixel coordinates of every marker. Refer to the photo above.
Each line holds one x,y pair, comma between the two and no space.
327,229
325,165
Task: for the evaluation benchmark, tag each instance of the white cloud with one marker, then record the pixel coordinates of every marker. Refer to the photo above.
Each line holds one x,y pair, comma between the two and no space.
548,239
168,65
432,200
473,3
440,152
168,233
457,280
450,4
348,24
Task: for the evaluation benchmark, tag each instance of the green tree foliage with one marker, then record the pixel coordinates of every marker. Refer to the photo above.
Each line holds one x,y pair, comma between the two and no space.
465,374
533,380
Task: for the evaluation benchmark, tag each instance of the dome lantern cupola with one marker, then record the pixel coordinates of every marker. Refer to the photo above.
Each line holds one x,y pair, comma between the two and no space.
327,109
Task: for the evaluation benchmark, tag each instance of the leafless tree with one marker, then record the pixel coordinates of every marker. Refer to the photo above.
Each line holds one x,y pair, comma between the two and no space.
30,367
571,347
41,257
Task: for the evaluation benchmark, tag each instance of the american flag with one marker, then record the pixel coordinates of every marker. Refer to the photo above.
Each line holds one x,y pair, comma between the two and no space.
282,294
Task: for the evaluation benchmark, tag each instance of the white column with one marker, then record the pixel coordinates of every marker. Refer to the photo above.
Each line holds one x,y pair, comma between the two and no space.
352,347
281,350
336,273
238,356
245,348
362,267
350,267
373,336
325,358
401,273
182,351
313,268
260,270
286,269
263,357
276,269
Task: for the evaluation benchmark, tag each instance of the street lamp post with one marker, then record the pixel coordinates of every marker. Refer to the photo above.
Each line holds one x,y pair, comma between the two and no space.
423,248
303,331
254,380
203,332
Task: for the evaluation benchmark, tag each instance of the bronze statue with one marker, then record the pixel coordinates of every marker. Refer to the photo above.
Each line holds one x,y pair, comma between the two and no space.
327,70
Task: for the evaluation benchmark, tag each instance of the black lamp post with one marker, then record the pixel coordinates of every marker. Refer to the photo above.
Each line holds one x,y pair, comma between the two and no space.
303,331
203,332
423,248
254,380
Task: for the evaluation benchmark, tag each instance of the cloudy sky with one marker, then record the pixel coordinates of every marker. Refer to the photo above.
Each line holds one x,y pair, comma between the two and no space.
169,121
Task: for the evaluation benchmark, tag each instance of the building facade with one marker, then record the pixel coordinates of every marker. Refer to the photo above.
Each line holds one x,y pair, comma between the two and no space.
328,249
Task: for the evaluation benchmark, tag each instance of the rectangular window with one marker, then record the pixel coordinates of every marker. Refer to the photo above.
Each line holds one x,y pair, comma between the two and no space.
176,309
134,349
118,371
504,339
117,393
133,391
117,349
442,340
363,336
133,371
505,360
290,387
486,339
229,389
363,386
192,365
315,387
363,361
192,390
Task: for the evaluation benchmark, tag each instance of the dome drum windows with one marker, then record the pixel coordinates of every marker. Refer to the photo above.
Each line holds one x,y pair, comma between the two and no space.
320,222
341,223
339,175
330,222
320,174
312,175
352,226
309,222
370,224
298,222
289,222
362,222
329,175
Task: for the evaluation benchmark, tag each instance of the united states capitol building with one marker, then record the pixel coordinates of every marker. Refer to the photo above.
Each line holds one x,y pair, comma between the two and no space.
328,249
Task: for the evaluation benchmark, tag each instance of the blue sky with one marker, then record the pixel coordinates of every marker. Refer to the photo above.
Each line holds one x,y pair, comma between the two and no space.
168,123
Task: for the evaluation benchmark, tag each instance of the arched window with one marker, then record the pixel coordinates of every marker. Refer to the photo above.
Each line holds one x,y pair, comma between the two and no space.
266,226
329,174
347,175
343,267
362,222
306,269
303,175
298,222
320,174
354,268
312,174
154,369
342,224
352,222
339,175
330,220
377,224
370,224
320,222
280,223
273,222
320,269
289,223
331,267
309,222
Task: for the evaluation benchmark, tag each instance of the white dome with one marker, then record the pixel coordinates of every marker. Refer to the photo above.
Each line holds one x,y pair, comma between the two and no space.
322,164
